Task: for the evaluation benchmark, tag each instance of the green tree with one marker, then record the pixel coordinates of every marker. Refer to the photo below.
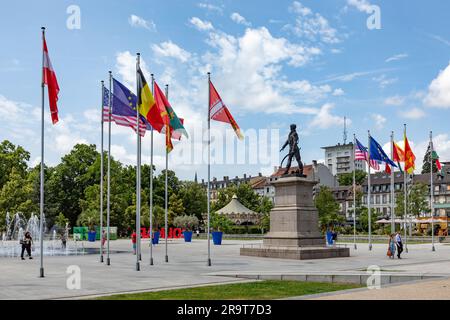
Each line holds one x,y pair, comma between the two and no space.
16,196
175,208
328,208
346,179
194,198
364,219
416,200
61,221
12,157
426,163
70,179
220,222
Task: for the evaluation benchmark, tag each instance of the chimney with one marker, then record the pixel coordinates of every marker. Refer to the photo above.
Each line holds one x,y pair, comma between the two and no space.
260,174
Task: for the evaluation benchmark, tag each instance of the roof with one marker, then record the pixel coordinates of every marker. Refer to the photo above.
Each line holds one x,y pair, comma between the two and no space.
339,146
307,171
384,178
235,207
258,182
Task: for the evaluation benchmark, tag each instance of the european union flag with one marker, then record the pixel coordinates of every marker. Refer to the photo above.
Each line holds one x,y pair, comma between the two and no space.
377,153
124,103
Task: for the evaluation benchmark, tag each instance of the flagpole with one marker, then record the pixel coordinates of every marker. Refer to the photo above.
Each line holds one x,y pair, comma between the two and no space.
138,171
108,196
151,185
101,176
392,186
405,194
166,191
369,196
354,192
41,219
431,192
209,172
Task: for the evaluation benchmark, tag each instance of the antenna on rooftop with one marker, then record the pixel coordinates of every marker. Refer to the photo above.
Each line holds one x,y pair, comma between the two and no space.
345,130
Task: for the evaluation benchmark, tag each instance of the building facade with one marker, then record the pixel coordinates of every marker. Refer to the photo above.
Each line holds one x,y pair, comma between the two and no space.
340,159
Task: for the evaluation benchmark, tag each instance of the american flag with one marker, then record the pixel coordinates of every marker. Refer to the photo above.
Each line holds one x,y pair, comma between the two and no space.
121,120
362,154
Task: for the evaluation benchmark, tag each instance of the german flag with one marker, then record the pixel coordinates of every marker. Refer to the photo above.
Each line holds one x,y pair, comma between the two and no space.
147,104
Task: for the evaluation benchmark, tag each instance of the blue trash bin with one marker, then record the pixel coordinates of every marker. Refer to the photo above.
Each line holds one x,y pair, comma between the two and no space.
155,239
330,238
187,236
217,238
92,236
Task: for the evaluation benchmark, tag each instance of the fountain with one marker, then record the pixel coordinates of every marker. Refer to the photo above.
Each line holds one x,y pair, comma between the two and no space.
17,225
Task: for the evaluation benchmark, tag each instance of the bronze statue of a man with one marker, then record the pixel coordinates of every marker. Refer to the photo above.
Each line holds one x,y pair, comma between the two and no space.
294,150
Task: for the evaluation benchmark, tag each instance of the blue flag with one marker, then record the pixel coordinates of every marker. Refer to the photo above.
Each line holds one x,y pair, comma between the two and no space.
377,153
124,103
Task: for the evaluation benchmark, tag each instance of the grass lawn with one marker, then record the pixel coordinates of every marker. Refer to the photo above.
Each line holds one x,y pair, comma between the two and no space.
259,290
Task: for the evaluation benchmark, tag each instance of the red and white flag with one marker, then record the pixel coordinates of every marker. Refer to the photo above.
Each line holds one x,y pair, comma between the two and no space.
218,110
49,79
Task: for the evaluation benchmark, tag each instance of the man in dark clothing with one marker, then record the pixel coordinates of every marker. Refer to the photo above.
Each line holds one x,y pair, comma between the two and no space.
294,151
26,245
398,241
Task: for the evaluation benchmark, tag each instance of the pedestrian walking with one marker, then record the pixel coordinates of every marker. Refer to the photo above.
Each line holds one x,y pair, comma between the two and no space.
399,243
391,247
103,238
26,245
133,241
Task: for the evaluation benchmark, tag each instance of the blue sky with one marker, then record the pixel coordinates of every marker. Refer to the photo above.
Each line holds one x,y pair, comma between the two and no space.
274,63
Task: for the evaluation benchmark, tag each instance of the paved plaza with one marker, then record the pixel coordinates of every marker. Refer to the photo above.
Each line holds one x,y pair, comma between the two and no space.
187,267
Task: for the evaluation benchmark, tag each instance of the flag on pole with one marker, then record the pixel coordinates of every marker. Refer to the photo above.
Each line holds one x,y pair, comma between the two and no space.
399,155
362,154
388,169
435,157
377,153
410,158
218,111
49,79
147,104
123,108
173,128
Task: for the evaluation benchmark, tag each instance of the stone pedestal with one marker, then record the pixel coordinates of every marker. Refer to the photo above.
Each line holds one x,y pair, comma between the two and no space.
294,226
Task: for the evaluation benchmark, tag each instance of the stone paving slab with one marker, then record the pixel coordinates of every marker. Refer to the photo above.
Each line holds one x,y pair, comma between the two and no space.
187,267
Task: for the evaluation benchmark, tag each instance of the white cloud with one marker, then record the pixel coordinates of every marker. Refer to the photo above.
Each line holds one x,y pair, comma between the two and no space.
413,114
236,17
138,22
312,26
397,57
351,76
126,68
439,90
200,24
170,49
394,101
440,39
338,92
259,57
324,119
383,81
210,7
379,120
361,5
